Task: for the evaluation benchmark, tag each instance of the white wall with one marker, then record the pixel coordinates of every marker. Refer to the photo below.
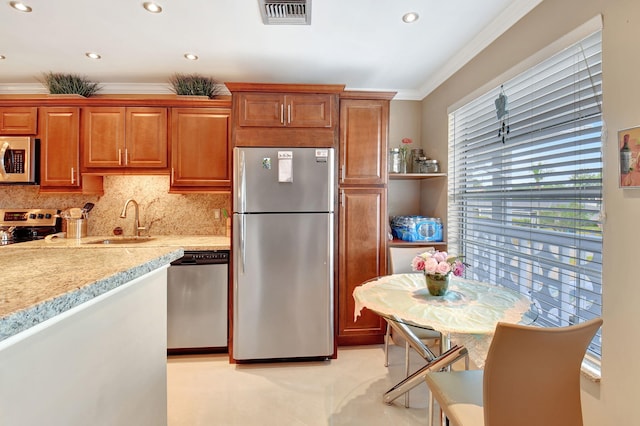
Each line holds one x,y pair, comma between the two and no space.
614,400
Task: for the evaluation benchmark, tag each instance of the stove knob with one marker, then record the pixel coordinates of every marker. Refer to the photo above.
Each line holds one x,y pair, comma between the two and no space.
40,216
32,215
47,216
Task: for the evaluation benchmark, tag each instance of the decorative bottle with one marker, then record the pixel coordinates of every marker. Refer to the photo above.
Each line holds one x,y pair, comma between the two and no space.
625,156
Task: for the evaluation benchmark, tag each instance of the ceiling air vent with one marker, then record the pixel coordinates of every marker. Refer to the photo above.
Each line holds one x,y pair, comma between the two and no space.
285,12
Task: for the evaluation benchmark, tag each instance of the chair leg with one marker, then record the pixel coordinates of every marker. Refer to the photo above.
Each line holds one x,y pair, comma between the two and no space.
406,371
430,412
386,345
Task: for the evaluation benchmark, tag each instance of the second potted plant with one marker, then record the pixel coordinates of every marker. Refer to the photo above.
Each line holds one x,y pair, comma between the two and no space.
194,85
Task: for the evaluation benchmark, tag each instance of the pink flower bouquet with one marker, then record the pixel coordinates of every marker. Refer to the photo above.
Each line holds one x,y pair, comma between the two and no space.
438,263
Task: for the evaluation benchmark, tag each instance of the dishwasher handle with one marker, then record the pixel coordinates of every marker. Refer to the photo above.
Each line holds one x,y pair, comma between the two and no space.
184,262
205,257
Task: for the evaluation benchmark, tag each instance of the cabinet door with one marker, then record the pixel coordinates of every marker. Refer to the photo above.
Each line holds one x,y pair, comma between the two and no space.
200,147
362,256
59,147
363,141
18,120
103,136
260,110
278,110
308,110
146,137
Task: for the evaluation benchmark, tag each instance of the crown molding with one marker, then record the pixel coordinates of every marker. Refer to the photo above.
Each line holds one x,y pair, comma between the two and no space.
488,35
105,89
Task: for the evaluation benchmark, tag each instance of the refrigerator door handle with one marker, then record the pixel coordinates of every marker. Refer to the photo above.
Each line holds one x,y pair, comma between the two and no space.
243,227
242,187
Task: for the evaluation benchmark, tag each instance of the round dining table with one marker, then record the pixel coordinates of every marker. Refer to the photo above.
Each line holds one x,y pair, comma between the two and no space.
466,315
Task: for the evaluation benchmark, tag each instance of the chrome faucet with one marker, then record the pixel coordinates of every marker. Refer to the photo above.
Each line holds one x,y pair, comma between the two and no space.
136,224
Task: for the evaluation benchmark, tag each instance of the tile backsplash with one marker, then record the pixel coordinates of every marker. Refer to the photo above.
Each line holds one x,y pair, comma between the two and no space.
167,214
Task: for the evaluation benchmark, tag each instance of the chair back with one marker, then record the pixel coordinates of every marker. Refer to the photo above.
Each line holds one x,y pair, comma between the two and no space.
532,374
400,258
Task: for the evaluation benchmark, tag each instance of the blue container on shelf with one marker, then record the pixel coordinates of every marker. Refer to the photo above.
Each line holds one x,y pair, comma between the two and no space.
416,228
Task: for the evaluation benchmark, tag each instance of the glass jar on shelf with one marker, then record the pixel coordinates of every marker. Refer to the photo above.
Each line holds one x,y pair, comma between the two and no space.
414,160
395,160
429,166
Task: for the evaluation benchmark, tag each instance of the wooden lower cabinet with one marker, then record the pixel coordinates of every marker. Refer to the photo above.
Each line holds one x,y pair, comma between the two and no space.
59,150
362,256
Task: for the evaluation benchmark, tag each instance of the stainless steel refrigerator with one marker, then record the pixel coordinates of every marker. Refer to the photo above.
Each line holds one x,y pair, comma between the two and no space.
283,245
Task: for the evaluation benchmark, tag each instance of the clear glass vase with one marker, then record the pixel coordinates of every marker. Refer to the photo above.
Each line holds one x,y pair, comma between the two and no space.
403,162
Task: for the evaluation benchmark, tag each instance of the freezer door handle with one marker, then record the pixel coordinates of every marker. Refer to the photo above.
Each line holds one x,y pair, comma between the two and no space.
242,186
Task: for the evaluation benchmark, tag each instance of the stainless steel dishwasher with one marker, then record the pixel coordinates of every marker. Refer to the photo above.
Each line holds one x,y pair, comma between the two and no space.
197,288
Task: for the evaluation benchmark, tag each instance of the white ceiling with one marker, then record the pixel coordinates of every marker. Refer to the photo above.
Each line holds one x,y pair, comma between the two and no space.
360,43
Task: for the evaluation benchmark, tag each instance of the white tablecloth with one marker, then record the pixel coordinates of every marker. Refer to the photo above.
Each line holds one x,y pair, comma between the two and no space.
468,313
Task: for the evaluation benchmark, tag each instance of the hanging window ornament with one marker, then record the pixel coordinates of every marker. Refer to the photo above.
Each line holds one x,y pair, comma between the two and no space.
503,115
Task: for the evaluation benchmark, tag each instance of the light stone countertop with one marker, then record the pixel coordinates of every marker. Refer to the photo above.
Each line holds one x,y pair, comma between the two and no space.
186,242
37,284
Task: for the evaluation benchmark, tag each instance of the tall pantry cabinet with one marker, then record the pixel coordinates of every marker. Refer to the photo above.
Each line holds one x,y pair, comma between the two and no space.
364,119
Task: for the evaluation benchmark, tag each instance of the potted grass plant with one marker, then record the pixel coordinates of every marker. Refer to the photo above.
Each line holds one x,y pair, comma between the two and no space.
194,85
69,84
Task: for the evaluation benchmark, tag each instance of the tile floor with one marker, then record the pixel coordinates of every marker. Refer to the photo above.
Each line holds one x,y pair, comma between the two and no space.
206,390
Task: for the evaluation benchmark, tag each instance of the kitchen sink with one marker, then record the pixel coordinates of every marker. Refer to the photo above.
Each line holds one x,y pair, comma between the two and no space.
125,240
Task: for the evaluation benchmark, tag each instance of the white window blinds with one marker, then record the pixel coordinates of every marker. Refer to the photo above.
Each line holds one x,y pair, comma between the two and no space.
525,189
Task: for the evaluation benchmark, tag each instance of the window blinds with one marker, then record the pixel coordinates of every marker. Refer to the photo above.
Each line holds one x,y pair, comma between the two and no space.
525,189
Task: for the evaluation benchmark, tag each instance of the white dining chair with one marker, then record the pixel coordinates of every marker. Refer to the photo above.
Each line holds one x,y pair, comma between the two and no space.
400,262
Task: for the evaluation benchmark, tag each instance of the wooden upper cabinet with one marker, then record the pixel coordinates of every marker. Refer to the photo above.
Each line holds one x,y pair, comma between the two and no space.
118,137
200,148
103,136
18,120
59,147
285,110
363,141
146,142
296,115
260,110
308,110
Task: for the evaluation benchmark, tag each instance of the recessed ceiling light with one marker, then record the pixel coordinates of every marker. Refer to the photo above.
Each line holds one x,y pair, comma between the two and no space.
191,56
92,55
410,17
152,7
20,6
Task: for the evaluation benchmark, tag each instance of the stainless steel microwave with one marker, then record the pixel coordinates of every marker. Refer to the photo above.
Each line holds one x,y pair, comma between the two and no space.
18,155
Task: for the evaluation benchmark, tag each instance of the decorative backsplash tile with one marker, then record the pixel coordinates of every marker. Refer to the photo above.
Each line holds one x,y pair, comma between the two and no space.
166,214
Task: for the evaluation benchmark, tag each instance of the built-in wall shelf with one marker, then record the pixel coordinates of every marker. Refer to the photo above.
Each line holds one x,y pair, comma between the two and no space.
401,243
401,176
